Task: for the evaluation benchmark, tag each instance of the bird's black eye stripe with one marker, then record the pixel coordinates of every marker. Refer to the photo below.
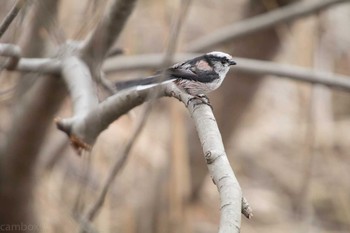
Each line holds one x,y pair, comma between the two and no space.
223,60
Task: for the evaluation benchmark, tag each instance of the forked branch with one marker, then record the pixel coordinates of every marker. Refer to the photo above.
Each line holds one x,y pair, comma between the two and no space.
220,170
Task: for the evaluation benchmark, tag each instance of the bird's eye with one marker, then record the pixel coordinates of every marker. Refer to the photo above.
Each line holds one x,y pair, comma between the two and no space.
223,62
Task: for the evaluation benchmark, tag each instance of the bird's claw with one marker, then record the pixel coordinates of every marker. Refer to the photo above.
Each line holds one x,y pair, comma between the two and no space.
200,99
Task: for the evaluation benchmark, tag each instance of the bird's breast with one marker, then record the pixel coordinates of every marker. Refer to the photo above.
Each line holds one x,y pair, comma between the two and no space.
197,88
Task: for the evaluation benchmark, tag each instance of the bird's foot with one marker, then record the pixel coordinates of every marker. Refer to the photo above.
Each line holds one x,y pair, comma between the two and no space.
200,99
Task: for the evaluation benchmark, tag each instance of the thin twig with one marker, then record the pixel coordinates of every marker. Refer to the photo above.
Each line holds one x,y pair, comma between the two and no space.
260,22
246,209
11,16
244,65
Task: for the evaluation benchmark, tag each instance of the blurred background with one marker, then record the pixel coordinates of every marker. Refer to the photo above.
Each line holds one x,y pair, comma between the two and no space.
287,141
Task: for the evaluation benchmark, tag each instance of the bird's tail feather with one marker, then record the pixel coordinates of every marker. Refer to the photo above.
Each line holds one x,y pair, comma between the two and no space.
144,82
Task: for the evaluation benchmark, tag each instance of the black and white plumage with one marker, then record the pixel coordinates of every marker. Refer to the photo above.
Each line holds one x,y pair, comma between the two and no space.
197,76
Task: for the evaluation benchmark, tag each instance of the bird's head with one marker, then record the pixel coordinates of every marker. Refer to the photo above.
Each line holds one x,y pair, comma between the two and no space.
220,61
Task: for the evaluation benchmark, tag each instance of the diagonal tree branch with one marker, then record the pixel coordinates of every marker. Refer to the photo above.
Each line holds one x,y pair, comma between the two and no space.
217,162
11,16
104,114
107,31
261,22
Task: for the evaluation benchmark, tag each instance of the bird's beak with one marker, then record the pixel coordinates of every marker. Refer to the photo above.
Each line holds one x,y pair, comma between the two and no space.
232,62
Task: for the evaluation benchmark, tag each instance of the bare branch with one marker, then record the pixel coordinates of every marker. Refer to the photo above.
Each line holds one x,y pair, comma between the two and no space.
258,23
244,65
246,209
217,162
119,104
80,85
12,51
11,16
104,114
107,31
293,72
39,65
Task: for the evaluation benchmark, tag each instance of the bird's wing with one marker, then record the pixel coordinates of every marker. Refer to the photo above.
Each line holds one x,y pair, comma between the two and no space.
194,75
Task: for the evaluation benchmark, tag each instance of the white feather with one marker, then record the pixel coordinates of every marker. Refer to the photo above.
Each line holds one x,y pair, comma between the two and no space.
143,87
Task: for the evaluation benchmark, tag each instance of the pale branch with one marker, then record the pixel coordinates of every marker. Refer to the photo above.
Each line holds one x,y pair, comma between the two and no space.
40,65
244,65
77,77
246,209
14,54
217,162
87,128
11,16
80,85
298,73
260,22
97,45
37,65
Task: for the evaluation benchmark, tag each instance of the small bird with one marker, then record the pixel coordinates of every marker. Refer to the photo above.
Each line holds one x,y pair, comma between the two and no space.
197,76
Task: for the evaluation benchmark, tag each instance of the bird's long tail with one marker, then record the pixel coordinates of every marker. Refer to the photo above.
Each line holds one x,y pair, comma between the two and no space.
142,83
